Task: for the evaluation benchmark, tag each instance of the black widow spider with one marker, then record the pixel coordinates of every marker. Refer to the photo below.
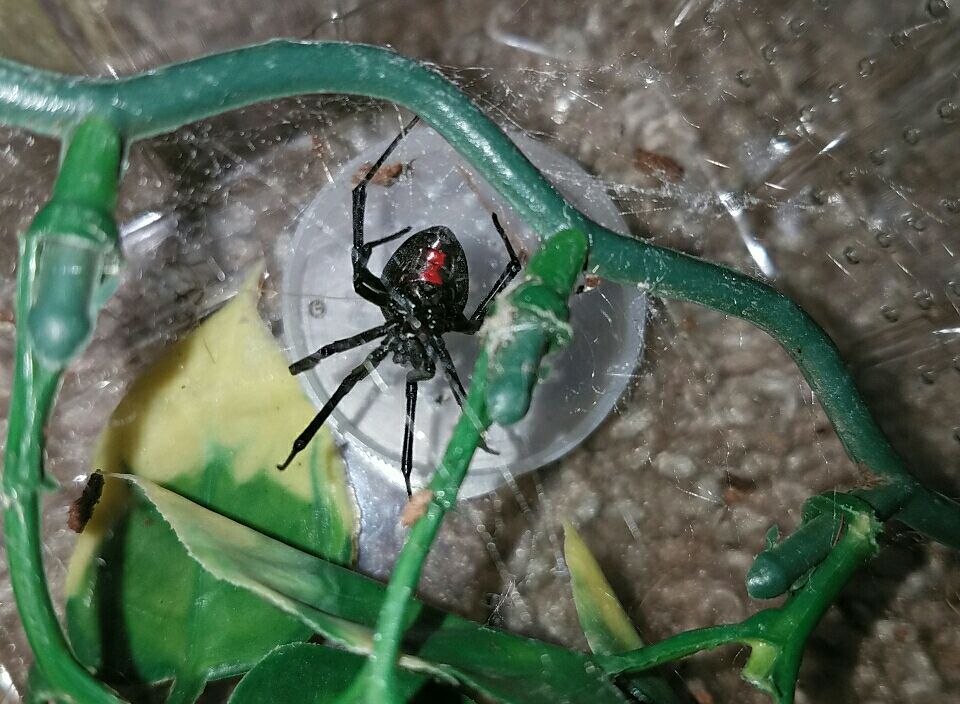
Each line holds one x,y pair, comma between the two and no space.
422,293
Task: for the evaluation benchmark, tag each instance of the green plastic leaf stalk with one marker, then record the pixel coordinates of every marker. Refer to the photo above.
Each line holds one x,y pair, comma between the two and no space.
528,322
776,636
75,232
399,611
59,268
776,569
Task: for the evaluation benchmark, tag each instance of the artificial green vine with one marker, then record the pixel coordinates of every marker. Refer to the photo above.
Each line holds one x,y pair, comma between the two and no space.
60,274
65,254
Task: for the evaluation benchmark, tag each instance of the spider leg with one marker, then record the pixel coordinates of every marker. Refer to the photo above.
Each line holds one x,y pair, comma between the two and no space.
365,282
406,458
453,379
388,238
347,343
512,269
359,372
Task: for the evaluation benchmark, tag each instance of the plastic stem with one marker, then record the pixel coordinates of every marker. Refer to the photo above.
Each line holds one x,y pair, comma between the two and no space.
541,300
776,636
531,321
35,384
395,614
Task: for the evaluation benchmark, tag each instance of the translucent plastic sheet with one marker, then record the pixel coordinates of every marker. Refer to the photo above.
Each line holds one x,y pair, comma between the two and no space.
809,142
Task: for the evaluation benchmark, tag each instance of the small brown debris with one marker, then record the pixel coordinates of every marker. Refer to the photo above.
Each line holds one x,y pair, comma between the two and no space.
82,507
590,282
869,480
416,507
386,175
657,165
745,484
701,695
732,496
737,488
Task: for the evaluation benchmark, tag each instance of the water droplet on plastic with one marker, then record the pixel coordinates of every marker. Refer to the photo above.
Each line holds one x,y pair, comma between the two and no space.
819,196
879,156
938,9
928,375
797,26
951,204
884,239
865,66
781,144
846,176
890,313
769,53
744,78
917,222
911,135
900,38
851,255
954,287
806,114
956,364
948,111
835,93
923,299
713,36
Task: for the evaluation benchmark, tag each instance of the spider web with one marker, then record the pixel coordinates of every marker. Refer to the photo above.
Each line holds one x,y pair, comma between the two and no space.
808,143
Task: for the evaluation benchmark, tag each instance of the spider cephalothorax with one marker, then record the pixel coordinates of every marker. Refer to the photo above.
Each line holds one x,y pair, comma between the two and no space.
422,293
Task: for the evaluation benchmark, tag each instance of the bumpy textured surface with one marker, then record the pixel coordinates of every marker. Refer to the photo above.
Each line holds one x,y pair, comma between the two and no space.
809,141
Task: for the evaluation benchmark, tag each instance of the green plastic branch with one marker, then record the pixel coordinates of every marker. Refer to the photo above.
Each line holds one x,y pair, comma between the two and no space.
378,682
528,322
777,637
68,248
536,309
61,263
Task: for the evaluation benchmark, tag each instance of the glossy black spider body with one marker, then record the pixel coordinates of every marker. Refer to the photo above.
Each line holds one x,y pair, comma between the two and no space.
422,293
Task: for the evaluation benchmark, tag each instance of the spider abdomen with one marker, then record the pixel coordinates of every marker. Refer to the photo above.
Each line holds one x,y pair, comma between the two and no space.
430,271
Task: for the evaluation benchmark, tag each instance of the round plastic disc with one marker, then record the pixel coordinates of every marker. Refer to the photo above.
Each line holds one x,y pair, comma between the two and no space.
425,183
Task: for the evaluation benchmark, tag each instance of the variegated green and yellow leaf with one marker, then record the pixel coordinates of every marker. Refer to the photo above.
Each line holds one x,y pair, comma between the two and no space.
209,420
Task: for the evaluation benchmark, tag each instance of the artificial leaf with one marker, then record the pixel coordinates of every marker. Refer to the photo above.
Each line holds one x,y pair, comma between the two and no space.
343,606
604,621
209,420
305,673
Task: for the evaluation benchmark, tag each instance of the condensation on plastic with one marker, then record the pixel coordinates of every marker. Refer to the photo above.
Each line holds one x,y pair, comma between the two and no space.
438,188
